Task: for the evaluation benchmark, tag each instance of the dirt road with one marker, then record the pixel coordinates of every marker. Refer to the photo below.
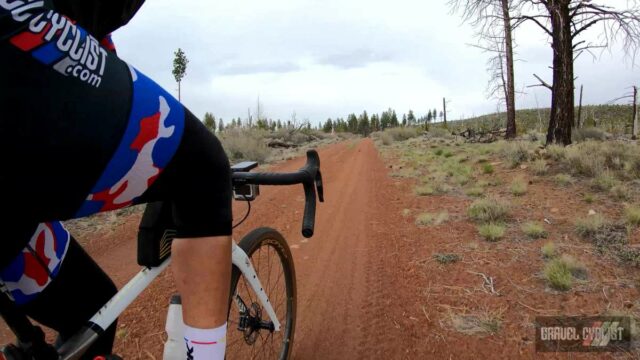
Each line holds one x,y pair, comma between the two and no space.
343,272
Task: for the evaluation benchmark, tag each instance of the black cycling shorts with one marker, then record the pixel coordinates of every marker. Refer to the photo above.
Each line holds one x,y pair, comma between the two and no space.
81,131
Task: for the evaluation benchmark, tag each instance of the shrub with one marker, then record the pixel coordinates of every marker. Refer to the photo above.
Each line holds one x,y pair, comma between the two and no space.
539,167
534,230
564,179
621,192
604,181
588,133
447,154
576,268
487,168
243,145
584,160
558,274
402,133
424,190
589,226
445,259
589,198
632,215
488,210
439,152
516,152
556,152
386,138
474,191
518,187
425,219
491,232
437,132
548,250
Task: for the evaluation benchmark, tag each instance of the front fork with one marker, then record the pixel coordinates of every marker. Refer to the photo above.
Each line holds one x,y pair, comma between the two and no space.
243,263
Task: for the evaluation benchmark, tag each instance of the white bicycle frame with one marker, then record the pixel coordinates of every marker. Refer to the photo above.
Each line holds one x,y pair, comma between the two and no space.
119,302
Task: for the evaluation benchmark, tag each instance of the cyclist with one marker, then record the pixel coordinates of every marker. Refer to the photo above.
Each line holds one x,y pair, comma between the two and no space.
81,131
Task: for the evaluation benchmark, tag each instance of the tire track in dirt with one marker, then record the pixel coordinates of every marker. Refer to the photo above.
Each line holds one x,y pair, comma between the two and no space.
347,295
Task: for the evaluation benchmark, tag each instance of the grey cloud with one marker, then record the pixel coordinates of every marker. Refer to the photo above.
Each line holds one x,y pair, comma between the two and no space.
354,59
246,69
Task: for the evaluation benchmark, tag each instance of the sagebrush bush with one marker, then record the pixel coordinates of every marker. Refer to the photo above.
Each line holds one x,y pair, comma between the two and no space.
402,133
539,167
589,226
588,133
632,215
548,250
491,232
556,152
564,179
244,145
474,191
516,152
534,230
621,192
488,210
386,138
604,181
518,187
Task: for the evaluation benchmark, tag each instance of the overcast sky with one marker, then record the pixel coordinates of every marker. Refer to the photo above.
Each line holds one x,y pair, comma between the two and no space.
328,58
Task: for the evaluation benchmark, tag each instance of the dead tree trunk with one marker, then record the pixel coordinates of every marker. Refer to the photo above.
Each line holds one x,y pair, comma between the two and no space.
510,84
635,113
579,124
444,111
563,103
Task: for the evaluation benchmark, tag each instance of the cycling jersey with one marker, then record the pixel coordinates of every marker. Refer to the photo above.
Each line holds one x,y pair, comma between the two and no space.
81,131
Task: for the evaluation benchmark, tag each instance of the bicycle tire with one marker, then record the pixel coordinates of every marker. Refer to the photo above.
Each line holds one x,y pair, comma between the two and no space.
253,244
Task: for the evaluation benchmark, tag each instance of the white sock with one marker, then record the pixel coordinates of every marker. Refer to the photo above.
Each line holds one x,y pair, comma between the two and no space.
205,344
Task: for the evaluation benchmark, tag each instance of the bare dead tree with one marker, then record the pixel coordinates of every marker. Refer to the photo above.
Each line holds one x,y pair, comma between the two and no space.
494,28
565,21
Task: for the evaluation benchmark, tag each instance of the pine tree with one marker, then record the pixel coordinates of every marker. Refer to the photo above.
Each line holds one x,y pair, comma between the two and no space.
220,126
210,122
180,63
394,119
404,120
411,118
328,126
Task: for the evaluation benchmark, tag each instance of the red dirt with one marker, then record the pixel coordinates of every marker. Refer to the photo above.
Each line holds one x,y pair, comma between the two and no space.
367,285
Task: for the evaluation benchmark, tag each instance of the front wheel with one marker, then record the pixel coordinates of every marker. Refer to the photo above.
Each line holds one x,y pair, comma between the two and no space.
250,333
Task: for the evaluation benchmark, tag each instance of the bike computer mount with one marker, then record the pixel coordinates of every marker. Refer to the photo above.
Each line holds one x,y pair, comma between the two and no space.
245,192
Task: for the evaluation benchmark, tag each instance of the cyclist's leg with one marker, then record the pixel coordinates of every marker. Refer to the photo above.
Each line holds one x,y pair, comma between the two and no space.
198,183
57,296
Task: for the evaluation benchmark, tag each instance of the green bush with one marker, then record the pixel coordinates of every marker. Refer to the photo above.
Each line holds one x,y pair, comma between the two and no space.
548,250
491,232
539,167
244,145
604,181
518,187
588,133
620,192
558,274
534,230
487,168
488,210
564,179
402,133
590,226
632,215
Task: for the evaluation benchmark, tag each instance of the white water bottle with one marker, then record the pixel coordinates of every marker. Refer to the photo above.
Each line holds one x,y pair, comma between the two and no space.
174,348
